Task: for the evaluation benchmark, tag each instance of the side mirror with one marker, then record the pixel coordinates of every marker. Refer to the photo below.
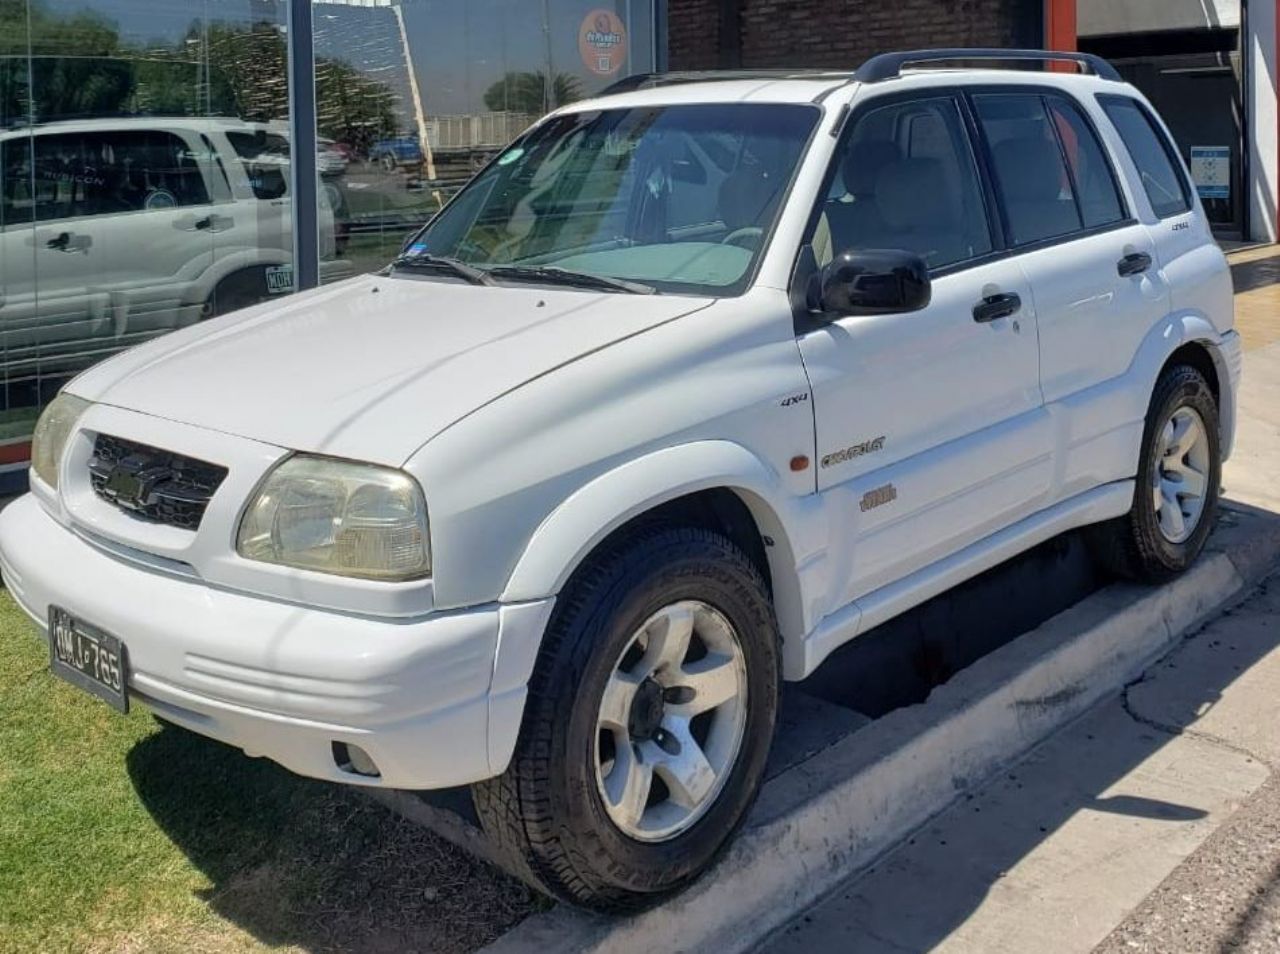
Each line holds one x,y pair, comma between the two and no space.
875,282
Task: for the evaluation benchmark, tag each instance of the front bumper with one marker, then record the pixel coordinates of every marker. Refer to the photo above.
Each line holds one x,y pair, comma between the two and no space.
435,701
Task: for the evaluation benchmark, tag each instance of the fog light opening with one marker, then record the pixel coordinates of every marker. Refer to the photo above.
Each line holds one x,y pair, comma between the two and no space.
354,760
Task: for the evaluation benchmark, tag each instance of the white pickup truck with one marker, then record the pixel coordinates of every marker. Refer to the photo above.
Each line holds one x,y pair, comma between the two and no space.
692,384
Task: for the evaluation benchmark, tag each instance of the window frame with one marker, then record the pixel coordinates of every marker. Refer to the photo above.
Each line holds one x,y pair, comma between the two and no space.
1163,139
1044,93
1116,186
804,266
749,278
844,132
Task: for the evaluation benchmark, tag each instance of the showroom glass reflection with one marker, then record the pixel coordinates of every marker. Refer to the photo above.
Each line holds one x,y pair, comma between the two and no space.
145,151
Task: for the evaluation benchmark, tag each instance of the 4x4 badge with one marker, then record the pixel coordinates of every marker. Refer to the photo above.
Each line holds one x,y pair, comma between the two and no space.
857,450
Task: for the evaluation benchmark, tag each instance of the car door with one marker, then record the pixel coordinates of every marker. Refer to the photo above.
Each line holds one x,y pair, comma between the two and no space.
17,265
151,231
930,428
1091,265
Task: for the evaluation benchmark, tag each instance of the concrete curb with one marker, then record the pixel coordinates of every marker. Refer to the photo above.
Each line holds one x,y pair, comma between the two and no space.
821,821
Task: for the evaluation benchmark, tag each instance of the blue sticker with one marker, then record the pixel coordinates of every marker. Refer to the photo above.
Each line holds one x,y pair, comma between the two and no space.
510,156
417,248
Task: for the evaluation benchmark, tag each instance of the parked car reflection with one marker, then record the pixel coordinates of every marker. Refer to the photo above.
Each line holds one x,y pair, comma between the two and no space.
115,230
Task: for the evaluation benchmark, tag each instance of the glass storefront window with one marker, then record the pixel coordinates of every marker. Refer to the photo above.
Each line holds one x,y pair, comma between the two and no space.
413,98
145,156
146,152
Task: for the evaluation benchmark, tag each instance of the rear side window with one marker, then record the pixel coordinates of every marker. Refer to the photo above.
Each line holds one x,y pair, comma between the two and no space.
1091,174
1162,177
266,161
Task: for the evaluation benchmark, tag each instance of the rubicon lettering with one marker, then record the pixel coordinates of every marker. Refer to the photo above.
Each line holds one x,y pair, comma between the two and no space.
857,450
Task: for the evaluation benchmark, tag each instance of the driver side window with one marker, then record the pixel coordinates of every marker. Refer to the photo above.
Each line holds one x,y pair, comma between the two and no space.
905,178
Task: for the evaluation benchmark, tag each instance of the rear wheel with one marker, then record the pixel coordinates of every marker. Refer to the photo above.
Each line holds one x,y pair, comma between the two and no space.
649,719
1179,475
238,290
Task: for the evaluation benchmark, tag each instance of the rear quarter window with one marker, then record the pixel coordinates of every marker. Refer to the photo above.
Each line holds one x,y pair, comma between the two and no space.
1162,176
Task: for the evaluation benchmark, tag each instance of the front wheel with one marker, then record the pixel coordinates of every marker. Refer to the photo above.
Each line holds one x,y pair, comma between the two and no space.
1179,475
649,719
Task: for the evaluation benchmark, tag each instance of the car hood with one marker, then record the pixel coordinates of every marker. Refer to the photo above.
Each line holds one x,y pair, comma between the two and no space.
372,368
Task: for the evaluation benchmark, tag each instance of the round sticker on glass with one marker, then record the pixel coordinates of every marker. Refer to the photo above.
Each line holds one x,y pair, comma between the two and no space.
510,156
602,41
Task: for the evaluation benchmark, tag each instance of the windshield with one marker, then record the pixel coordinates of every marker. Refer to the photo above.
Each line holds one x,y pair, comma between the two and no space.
679,198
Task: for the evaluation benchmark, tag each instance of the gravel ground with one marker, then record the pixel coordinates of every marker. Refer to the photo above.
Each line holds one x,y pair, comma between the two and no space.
1224,898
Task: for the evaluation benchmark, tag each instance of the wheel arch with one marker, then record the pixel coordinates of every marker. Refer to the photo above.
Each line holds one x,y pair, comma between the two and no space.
719,485
1192,339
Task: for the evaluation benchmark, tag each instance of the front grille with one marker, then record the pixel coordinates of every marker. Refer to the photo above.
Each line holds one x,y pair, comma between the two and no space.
153,484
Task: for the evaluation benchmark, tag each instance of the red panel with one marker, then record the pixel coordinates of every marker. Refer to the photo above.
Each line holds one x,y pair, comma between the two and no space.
1060,24
15,453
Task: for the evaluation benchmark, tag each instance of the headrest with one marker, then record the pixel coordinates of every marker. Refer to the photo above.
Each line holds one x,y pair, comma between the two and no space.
912,195
745,195
864,163
1029,168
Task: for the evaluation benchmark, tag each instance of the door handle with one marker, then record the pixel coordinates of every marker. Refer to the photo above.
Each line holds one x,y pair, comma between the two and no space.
206,222
995,307
1134,263
66,242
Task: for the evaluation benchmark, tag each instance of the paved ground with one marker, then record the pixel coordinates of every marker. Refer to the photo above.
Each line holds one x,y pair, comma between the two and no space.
1153,824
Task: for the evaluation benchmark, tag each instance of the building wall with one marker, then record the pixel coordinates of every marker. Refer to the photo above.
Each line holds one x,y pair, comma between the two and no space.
1262,46
693,34
819,33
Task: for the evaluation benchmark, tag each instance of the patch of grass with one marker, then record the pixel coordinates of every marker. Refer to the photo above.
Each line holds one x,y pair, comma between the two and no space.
118,835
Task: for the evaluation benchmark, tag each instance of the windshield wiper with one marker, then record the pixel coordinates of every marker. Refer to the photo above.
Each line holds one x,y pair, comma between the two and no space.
476,276
553,274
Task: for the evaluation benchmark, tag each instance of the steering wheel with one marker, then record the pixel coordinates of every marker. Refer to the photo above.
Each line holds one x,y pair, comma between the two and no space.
747,237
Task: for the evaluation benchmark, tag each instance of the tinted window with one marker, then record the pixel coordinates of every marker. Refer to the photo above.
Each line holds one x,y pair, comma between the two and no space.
678,197
1091,173
1161,177
906,180
265,157
1030,172
99,173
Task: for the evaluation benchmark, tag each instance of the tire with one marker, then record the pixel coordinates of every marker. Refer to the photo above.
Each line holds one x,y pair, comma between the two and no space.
1142,545
238,290
550,812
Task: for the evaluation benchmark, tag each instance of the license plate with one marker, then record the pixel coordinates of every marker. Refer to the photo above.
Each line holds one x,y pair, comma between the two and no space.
87,657
279,279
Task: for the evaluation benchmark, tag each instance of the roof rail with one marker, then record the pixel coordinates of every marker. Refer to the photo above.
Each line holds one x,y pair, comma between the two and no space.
890,65
654,80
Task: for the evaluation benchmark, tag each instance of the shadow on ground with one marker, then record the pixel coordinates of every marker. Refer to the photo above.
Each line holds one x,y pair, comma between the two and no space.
300,862
1248,276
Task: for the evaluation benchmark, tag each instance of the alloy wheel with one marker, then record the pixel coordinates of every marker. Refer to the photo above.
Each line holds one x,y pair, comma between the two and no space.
671,721
1180,477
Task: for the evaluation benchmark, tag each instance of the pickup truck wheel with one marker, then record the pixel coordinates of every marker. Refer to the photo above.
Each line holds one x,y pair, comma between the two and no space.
649,719
1179,474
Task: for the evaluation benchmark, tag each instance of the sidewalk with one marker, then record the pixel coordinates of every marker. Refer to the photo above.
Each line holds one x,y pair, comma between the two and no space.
1150,825
1055,854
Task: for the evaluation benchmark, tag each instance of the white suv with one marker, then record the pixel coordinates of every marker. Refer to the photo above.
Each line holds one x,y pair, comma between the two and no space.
692,384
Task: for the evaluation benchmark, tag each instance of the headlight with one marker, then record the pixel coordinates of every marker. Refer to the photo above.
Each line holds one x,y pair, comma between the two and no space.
336,516
50,439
